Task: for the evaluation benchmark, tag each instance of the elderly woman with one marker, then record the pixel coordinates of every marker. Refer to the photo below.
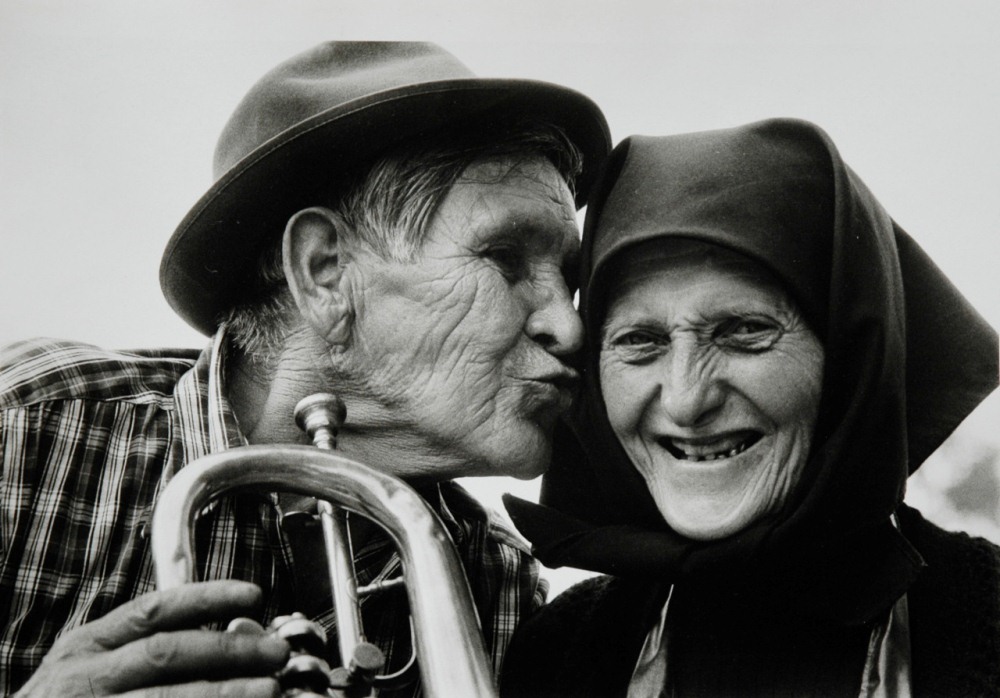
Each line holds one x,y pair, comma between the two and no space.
769,357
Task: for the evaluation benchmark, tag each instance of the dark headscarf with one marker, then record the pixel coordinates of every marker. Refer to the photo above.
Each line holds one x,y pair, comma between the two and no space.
906,359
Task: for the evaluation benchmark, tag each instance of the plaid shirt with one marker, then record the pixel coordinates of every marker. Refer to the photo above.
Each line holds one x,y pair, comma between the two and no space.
90,437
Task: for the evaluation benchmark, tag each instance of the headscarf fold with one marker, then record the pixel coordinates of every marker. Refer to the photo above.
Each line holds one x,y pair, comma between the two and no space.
906,360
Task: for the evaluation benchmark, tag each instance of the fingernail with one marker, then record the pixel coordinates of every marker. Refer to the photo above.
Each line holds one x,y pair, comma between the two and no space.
245,626
273,647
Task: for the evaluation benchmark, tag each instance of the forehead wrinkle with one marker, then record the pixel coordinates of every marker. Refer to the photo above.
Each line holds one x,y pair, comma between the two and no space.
530,204
502,167
530,168
766,295
541,230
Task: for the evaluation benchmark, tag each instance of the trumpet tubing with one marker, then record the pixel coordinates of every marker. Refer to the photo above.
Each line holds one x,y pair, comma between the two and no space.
447,639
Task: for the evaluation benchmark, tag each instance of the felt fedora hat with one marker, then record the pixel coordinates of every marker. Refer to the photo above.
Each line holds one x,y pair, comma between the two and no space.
314,121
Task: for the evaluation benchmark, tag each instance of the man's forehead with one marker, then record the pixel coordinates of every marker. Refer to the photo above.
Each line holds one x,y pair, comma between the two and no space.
513,187
526,171
521,198
523,205
539,218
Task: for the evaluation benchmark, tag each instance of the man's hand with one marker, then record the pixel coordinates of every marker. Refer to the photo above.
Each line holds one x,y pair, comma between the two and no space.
153,645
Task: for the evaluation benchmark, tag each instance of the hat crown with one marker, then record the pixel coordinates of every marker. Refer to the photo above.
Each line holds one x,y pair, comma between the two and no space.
327,77
318,120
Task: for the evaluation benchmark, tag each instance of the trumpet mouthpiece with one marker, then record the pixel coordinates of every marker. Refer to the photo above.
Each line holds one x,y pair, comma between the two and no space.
320,416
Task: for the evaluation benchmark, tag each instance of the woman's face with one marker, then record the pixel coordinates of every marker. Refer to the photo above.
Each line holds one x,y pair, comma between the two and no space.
712,383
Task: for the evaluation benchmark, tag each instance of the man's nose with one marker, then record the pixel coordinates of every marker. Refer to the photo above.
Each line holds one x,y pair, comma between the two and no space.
554,322
691,392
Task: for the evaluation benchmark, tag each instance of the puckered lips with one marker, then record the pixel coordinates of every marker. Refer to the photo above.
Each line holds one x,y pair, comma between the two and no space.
709,448
554,388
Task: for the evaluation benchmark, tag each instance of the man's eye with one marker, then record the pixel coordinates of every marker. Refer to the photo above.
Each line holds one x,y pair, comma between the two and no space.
748,334
509,260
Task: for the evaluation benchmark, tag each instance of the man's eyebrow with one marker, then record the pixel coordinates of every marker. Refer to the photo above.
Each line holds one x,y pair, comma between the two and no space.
528,229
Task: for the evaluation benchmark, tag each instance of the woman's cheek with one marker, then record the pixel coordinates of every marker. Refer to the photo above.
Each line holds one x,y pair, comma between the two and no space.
626,389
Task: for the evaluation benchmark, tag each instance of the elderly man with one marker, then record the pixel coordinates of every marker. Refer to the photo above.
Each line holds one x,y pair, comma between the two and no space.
383,225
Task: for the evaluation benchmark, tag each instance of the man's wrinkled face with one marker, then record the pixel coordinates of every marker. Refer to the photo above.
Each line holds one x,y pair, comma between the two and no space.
712,384
461,348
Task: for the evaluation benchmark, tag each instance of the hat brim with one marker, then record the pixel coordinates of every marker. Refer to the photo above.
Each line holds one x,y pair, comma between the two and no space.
215,247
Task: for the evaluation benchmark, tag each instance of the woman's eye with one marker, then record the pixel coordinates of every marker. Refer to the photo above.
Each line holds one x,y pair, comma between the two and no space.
635,339
748,334
638,346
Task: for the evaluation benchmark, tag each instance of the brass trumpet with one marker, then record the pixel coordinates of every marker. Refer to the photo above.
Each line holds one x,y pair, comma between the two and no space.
448,643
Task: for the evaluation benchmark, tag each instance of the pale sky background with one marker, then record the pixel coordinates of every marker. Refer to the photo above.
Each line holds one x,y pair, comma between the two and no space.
109,112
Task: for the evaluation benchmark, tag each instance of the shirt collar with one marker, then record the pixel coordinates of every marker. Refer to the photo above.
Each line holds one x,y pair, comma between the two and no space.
205,418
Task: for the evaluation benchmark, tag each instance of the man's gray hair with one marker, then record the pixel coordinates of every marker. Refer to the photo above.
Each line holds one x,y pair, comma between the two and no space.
388,211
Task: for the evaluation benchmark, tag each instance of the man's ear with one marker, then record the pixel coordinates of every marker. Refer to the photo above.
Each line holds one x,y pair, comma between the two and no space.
312,257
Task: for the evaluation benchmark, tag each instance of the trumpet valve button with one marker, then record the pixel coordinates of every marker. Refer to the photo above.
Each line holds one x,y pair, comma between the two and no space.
356,680
305,672
301,634
366,660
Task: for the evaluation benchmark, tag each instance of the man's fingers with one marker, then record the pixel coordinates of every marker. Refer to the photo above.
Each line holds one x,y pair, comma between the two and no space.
187,606
153,641
237,688
187,655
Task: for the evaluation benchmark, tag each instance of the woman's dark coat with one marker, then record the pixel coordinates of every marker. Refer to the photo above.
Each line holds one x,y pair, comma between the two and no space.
587,640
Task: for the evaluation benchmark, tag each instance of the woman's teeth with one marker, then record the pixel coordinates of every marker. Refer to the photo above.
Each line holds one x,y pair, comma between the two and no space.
690,452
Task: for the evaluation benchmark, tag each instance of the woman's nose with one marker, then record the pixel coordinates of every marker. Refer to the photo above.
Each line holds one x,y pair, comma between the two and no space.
554,323
690,391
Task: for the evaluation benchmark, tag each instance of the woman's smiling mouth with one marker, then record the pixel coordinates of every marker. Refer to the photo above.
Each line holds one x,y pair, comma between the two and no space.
711,447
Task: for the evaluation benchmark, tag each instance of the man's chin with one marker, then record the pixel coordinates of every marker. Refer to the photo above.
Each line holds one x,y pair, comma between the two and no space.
521,463
528,464
530,473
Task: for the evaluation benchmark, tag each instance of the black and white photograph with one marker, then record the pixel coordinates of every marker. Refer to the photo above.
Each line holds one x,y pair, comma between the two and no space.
499,349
